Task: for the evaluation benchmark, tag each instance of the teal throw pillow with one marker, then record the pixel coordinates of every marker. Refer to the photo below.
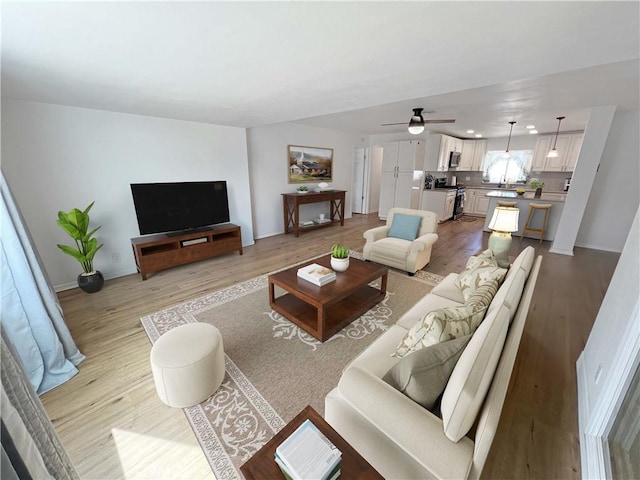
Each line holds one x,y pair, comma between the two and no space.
405,226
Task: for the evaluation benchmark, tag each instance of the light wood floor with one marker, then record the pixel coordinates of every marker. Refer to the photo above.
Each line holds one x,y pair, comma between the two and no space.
113,425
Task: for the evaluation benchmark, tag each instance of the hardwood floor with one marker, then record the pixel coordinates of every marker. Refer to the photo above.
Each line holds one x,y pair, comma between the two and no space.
113,425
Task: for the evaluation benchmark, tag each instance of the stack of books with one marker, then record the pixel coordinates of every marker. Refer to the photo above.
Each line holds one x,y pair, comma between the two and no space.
317,274
321,220
308,455
306,223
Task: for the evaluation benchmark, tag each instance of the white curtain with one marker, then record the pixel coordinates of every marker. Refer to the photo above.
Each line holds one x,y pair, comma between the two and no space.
31,315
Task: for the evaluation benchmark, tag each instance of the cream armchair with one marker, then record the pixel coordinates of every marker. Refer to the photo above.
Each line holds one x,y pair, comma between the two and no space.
406,255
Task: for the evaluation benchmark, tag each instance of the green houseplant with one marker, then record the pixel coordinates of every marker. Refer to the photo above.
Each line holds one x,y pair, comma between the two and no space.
339,258
302,189
76,224
537,184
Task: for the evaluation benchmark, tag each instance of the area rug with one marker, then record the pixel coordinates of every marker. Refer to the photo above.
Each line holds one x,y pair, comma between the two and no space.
273,368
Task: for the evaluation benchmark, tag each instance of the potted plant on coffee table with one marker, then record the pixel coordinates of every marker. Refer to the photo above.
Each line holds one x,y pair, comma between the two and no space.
339,258
76,224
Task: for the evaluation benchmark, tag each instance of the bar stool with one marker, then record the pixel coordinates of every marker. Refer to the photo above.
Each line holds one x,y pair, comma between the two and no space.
527,226
504,203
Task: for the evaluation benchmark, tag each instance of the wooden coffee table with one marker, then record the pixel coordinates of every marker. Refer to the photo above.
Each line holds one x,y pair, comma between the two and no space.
323,311
262,465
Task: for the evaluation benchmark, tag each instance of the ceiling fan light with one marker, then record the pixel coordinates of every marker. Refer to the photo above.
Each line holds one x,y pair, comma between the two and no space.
416,124
553,153
416,129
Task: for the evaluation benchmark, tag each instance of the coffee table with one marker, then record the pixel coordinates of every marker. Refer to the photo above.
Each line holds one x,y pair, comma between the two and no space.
323,311
262,465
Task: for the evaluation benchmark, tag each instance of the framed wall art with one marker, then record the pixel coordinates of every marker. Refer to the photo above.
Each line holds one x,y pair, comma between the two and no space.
309,164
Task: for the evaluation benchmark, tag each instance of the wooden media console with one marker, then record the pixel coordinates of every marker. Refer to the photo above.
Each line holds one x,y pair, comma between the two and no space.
157,252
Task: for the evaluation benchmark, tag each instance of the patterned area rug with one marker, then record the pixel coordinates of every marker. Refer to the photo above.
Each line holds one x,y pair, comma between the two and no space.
273,368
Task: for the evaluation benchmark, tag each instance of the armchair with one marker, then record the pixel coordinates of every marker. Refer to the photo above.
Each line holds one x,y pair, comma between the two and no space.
406,255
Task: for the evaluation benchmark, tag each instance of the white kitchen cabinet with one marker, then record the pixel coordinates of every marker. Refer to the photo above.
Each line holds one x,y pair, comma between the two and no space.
399,160
473,153
477,203
441,202
568,146
439,148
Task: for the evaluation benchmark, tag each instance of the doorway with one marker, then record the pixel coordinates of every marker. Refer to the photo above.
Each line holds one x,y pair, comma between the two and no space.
360,187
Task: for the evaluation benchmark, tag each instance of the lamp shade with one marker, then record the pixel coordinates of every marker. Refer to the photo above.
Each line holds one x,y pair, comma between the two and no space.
505,219
553,153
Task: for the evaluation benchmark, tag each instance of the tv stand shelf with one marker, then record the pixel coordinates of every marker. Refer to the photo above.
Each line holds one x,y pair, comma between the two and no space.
157,252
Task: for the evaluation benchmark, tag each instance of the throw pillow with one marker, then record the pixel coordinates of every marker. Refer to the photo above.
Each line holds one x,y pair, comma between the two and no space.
405,226
484,293
483,269
441,325
423,375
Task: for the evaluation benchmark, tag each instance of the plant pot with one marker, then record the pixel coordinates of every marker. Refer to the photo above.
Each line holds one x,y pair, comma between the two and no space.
340,264
91,282
538,193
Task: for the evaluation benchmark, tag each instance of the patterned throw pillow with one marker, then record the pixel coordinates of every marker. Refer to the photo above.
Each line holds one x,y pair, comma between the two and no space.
448,323
482,269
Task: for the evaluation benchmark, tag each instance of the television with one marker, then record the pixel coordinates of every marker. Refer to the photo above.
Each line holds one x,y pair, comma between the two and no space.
179,206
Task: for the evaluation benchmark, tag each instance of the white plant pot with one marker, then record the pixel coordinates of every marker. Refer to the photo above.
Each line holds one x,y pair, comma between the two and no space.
340,264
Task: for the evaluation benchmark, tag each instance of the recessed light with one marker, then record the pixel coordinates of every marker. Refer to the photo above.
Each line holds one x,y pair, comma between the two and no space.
534,131
531,126
478,135
470,131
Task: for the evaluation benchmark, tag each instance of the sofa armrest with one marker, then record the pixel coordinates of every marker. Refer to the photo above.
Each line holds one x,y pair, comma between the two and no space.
410,426
423,242
377,233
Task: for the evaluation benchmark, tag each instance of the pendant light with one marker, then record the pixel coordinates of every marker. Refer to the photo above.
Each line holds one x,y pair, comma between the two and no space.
506,152
553,153
416,124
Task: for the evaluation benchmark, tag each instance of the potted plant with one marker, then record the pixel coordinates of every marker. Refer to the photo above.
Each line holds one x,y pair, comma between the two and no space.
339,258
76,224
537,184
303,189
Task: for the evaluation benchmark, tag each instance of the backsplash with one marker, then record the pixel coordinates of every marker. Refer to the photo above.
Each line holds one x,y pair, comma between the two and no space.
553,181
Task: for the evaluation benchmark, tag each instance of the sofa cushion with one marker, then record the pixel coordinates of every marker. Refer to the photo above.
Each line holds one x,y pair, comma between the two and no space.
482,269
448,289
518,274
472,375
427,303
405,226
447,323
423,375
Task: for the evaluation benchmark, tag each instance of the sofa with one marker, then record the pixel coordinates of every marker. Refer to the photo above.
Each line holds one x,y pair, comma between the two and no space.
400,437
409,254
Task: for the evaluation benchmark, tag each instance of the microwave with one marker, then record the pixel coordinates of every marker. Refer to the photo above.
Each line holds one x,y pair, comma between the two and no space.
454,159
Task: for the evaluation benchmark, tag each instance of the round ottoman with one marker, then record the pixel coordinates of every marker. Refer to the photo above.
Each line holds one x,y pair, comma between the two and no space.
188,364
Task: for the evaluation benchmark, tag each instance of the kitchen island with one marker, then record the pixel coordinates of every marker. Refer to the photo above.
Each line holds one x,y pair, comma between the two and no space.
555,212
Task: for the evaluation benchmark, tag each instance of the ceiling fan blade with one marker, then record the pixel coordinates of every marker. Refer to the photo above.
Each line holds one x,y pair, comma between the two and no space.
440,121
388,124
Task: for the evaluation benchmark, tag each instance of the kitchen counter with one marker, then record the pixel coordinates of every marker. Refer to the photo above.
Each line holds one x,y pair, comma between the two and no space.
555,212
546,197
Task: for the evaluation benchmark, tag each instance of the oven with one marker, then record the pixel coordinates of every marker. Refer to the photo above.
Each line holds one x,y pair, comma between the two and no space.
458,204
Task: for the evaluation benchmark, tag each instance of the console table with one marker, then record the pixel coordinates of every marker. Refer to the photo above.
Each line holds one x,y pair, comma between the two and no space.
292,201
157,252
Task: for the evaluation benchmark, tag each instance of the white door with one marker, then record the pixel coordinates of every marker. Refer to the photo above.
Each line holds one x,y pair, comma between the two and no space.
359,188
387,193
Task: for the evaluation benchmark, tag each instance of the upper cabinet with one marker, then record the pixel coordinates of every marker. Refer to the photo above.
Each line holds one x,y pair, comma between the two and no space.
473,153
568,146
403,156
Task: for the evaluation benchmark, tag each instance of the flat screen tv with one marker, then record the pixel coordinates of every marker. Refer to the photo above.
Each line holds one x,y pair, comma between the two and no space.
180,206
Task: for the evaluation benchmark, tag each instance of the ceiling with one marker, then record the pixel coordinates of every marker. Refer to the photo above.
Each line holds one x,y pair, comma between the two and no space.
344,65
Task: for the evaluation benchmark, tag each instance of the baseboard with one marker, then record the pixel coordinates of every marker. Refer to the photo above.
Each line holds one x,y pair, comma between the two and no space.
598,247
561,252
107,276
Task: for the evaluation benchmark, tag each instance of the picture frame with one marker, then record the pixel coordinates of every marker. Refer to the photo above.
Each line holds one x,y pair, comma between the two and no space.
309,164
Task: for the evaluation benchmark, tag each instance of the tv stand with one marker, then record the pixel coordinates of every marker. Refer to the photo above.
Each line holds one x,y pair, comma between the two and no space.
158,252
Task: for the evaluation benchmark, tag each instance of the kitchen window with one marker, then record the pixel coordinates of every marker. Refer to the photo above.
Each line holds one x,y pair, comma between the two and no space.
513,169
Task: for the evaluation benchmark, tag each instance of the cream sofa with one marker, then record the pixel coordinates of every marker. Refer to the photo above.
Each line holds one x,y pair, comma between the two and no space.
406,255
399,437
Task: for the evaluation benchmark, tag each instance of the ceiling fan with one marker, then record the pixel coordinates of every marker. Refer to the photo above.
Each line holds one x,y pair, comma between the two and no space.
417,122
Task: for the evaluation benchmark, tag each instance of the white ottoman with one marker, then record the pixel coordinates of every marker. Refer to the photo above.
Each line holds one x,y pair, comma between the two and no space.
188,364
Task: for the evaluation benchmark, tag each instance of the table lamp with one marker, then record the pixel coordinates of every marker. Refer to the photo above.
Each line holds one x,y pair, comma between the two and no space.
503,222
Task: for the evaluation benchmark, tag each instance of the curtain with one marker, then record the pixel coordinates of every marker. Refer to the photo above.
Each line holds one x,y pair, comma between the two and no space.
31,315
30,445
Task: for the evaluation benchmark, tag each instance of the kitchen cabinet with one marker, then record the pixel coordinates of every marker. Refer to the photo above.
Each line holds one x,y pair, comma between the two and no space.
473,153
439,148
477,203
399,160
440,201
568,146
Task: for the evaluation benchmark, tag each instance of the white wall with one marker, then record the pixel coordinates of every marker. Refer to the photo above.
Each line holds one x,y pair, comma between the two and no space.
57,158
615,195
267,147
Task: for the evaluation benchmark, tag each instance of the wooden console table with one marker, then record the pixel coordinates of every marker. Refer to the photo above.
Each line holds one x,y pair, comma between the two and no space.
157,252
292,201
